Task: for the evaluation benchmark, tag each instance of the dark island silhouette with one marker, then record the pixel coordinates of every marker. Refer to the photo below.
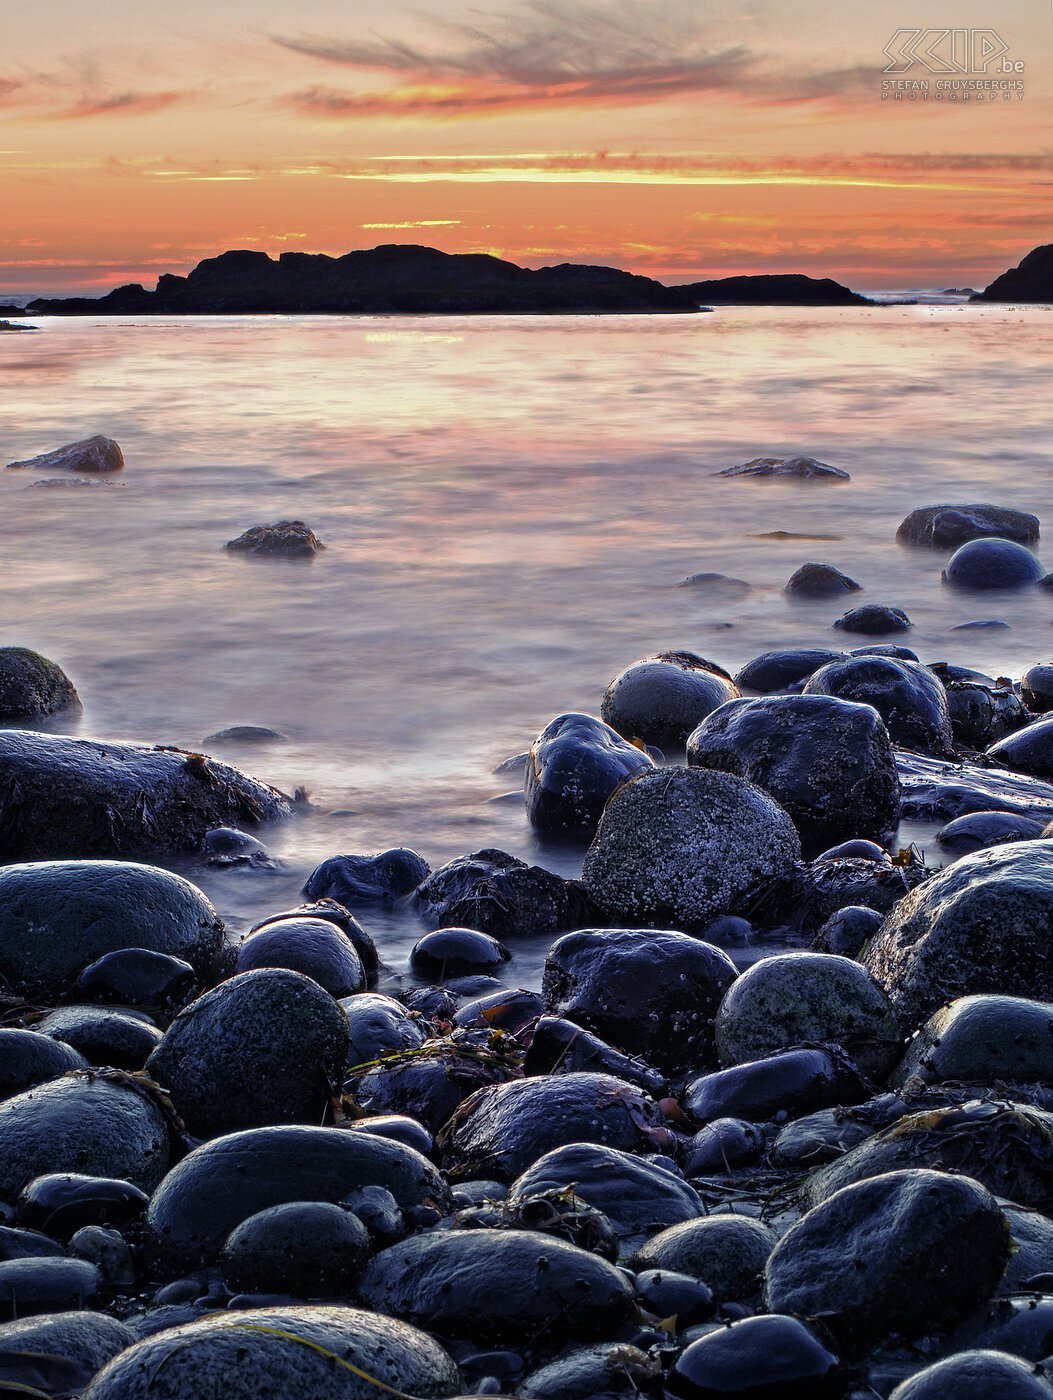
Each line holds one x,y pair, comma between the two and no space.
408,279
1030,280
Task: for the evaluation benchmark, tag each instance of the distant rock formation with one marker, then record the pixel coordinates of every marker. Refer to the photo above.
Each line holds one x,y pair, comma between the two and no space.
404,278
94,454
1031,280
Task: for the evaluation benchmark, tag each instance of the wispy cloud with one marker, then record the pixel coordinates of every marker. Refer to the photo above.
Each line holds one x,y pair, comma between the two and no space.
7,87
119,104
418,223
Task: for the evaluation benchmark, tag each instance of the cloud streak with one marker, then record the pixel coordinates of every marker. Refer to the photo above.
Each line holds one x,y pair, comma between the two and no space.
119,104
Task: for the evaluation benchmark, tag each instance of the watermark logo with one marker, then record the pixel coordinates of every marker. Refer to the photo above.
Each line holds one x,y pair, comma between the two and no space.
967,65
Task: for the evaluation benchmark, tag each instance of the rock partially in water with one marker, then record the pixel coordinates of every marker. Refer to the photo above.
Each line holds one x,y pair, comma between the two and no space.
1029,750
311,1249
310,1353
907,696
314,947
456,952
285,539
499,894
828,762
678,847
763,1358
261,1048
947,527
874,620
381,878
990,564
60,1352
651,994
498,1286
661,699
982,1039
715,586
94,454
935,790
225,846
979,830
501,1130
984,924
103,1035
72,798
334,913
726,1252
98,1124
793,999
820,581
28,1058
901,1254
575,764
31,686
247,734
222,1183
798,468
775,671
982,714
976,1375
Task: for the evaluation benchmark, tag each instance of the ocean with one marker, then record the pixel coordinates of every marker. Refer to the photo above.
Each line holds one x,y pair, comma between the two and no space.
508,507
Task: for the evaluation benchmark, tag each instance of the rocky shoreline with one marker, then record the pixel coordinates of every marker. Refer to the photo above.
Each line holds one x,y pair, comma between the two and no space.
264,1167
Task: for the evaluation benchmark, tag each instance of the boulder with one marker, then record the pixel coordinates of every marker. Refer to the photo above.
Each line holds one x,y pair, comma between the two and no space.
846,931
797,468
495,1286
27,1058
1036,687
874,620
828,762
820,581
375,879
991,563
603,1372
678,847
726,1252
982,714
558,1046
103,1035
456,952
311,1249
575,764
716,586
314,947
427,1086
791,1082
62,797
661,699
499,894
935,790
210,1192
137,978
979,830
264,1047
379,1026
982,1039
29,1287
775,1356
58,1352
722,1146
901,1254
64,1203
285,539
312,1353
31,686
947,527
94,454
651,994
786,670
1029,750
907,696
976,1375
332,912
983,924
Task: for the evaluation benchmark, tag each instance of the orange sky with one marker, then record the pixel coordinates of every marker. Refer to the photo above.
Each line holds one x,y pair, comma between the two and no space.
680,138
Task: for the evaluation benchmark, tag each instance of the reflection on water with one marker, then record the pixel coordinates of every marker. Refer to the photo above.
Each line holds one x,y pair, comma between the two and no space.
508,505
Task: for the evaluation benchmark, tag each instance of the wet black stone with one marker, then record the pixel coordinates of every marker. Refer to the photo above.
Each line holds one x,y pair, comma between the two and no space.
138,977
827,761
820,581
874,620
558,1046
823,887
264,1047
27,1244
1036,687
436,1005
726,1252
31,686
247,734
907,696
60,1204
666,1294
975,1375
499,894
721,1146
224,846
457,1284
987,624
575,764
60,1352
648,994
379,1212
662,698
982,1039
792,1082
608,1371
1021,1325
399,1128
1029,750
331,911
454,952
636,1196
427,1087
501,1130
978,830
29,1287
946,527
897,653
378,1026
222,1183
784,670
903,1253
28,1058
758,1358
935,790
368,879
856,849
285,539
314,947
310,1249
846,931
504,1010
103,1036
107,1249
992,563
982,714
558,1211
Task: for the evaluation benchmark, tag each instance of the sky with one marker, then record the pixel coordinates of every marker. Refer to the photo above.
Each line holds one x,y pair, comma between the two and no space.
682,139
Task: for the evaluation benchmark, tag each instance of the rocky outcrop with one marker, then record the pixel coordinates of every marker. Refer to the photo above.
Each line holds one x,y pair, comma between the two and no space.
94,454
1030,280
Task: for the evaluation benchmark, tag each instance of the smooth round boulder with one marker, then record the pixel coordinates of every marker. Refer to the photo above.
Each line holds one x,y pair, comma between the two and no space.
311,1353
103,1035
983,924
650,994
677,847
1036,687
427,1086
31,686
137,977
982,1039
575,764
56,917
978,830
874,620
100,1125
261,1048
32,1286
908,697
795,999
28,1058
976,1375
946,527
492,1286
758,1358
828,762
903,1253
501,1130
1029,750
313,947
211,1191
981,714
378,1026
400,1128
847,930
311,1249
991,564
726,1252
381,878
331,912
59,1352
785,669
721,1146
819,581
61,1203
790,1082
661,699
456,952
602,1372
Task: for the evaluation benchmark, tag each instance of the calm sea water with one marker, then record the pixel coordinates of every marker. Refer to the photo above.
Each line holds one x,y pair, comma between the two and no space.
508,507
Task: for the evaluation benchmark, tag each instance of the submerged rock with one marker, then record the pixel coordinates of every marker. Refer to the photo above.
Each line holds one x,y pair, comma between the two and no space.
907,696
496,893
285,539
820,581
680,846
94,454
874,620
575,764
802,468
992,563
375,879
946,527
661,699
31,686
81,797
828,762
